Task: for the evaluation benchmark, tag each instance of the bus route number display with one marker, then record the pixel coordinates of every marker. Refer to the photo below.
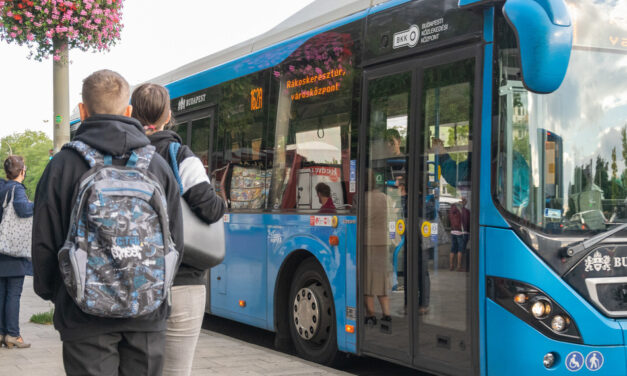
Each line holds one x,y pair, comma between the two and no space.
256,99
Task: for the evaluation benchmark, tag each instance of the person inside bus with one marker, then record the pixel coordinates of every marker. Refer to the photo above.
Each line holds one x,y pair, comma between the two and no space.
376,245
151,106
324,197
459,218
393,142
457,173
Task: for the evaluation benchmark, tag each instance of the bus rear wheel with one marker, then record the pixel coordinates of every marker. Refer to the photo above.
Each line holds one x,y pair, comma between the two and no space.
312,314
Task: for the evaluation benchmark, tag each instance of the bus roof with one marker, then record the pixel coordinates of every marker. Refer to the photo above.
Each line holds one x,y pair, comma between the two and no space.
311,17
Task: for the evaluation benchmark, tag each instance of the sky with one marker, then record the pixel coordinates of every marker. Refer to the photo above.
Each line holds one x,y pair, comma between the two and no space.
158,36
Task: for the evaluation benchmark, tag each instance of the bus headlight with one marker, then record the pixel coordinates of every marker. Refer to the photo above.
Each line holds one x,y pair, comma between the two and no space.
535,307
559,323
541,309
521,298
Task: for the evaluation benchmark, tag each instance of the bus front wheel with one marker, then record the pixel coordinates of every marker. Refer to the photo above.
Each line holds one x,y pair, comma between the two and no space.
312,314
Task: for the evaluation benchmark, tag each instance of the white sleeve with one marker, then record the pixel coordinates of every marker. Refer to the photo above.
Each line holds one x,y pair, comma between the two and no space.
192,172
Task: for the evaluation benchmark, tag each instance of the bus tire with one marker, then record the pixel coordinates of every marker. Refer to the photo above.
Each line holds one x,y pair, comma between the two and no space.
312,314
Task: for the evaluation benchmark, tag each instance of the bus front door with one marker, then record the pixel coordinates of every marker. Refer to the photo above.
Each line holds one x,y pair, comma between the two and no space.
417,219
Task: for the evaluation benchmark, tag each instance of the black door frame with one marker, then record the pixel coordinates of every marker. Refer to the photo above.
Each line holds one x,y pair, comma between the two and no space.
417,65
187,119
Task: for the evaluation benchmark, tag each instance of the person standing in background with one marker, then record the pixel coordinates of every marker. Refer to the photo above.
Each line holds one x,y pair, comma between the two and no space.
459,217
13,269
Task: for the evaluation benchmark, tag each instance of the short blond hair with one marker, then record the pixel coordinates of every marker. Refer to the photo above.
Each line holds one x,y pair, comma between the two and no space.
105,92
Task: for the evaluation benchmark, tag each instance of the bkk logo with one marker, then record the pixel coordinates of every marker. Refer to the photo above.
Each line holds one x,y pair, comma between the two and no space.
121,253
407,37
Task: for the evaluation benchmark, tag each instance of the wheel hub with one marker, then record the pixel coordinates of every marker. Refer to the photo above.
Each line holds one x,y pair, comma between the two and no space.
306,313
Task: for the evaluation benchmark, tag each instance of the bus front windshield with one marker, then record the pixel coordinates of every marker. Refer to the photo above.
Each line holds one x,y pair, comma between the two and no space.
561,163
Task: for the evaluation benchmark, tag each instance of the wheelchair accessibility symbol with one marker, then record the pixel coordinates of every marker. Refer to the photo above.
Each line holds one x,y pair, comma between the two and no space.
574,361
594,361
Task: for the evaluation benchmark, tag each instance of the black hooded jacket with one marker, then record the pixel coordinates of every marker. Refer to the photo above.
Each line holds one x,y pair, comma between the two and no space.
197,192
54,198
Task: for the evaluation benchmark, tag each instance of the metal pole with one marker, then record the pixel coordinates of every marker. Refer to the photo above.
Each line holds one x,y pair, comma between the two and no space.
61,97
10,150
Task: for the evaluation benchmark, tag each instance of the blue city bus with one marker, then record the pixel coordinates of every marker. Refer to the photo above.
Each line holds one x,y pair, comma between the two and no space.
474,153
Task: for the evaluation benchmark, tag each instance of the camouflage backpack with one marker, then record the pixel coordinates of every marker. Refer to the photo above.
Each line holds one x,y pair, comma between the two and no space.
118,259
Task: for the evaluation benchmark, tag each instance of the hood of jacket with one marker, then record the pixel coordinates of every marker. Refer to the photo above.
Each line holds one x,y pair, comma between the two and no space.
165,137
112,134
162,139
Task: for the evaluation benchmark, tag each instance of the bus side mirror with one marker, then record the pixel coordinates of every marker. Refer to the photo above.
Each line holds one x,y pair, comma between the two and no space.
545,37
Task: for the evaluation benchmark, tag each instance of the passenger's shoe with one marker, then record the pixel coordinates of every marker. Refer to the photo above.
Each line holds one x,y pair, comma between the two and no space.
2,341
372,319
386,324
11,341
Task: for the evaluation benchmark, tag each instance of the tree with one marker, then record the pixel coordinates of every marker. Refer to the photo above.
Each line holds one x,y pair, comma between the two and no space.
33,146
52,27
614,165
601,176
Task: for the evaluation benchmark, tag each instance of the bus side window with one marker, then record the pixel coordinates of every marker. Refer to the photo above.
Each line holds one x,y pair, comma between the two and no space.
239,154
313,98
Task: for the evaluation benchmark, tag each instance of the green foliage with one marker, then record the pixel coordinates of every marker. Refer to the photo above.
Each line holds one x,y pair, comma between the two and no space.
602,176
34,147
614,165
44,318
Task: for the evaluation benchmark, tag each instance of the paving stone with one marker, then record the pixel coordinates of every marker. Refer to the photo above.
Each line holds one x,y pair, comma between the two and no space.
216,354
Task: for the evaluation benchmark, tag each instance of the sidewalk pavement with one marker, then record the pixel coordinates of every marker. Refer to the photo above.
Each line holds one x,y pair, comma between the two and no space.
216,354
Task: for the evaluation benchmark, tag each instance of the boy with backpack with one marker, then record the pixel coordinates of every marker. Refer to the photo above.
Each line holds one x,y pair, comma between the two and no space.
108,238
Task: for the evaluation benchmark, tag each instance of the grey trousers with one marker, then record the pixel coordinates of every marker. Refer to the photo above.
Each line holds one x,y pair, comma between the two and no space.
113,354
188,310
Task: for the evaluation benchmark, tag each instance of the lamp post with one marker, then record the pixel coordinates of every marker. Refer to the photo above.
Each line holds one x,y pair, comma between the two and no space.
10,150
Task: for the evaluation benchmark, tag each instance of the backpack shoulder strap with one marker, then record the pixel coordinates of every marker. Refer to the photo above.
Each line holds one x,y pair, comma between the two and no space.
141,157
173,150
91,155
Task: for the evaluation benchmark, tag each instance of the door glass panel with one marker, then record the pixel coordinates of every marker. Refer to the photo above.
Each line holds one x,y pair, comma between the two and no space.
201,132
181,129
444,212
384,252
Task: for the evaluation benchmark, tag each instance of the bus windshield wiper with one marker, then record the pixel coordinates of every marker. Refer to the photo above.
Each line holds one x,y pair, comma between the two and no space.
581,246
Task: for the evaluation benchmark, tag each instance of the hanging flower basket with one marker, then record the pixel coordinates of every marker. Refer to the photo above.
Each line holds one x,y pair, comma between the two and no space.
87,25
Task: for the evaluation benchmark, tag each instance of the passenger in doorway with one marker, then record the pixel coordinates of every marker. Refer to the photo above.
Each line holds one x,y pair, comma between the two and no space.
459,217
151,107
377,254
324,196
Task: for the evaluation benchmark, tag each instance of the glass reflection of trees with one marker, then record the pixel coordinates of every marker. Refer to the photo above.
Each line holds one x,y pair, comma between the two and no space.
239,147
577,180
314,114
